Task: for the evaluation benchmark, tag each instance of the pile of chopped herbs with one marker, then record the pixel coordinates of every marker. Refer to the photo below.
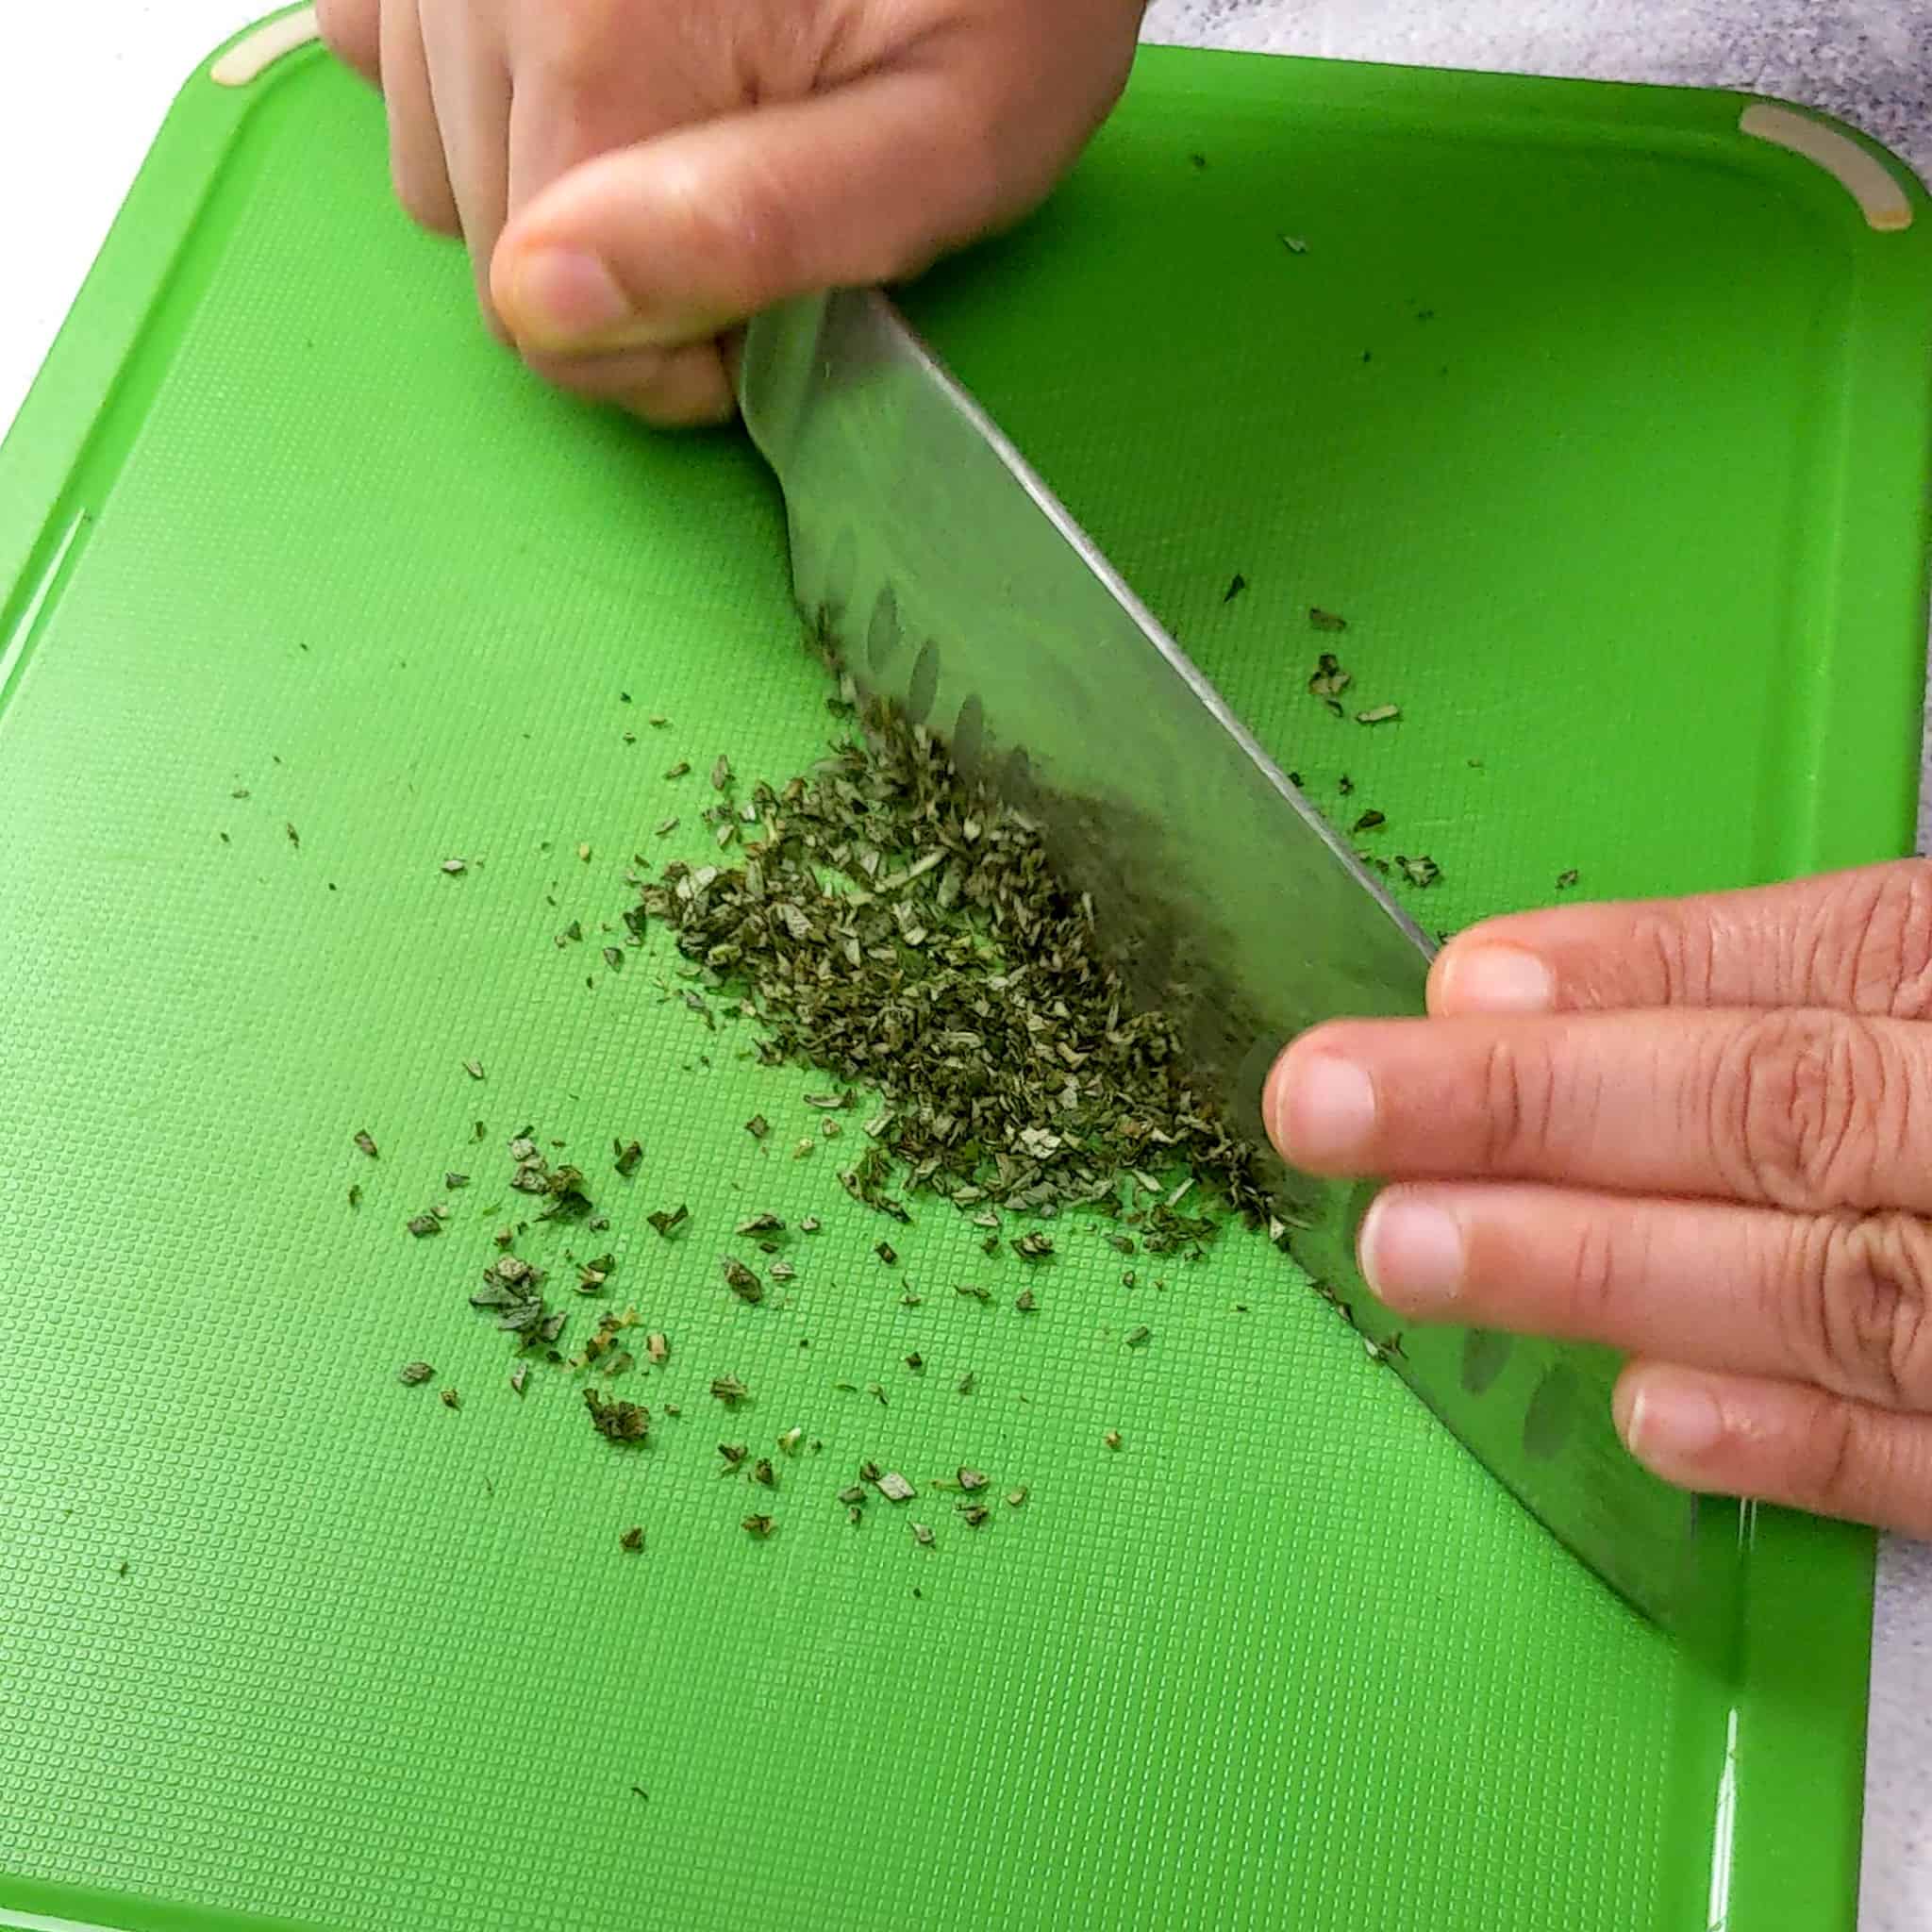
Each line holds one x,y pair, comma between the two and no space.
900,927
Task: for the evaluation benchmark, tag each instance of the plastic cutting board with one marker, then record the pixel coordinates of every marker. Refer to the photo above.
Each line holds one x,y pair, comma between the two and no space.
1602,423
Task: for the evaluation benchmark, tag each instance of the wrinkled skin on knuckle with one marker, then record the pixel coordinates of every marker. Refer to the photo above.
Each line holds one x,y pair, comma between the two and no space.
1797,1101
1871,942
1863,1329
1595,1269
1519,1088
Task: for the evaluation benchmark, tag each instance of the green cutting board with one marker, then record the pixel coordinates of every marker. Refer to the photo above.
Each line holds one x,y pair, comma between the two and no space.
1605,427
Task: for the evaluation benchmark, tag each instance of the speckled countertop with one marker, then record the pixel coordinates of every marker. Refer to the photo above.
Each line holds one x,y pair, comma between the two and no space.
84,85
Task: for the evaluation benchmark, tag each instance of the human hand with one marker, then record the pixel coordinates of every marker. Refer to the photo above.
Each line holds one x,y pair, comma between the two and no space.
1699,1130
633,177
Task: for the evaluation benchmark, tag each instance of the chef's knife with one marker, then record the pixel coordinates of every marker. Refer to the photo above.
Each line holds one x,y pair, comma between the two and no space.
961,590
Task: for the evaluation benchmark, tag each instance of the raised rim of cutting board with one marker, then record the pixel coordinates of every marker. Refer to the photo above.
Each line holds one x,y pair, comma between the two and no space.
1792,1765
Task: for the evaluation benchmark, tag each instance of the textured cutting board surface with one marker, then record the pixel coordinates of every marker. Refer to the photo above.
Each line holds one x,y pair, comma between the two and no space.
281,1639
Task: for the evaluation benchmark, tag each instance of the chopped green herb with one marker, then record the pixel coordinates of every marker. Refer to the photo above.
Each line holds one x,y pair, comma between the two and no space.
412,1372
629,1154
1112,1439
668,1225
757,1126
740,1280
730,1390
759,1526
617,1421
922,1534
1378,714
1368,821
449,1398
1567,878
421,1224
630,1542
363,1142
1419,872
1140,1337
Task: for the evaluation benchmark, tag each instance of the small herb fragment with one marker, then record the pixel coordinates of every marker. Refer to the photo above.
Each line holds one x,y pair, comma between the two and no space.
412,1372
367,1146
617,1421
740,1280
631,1541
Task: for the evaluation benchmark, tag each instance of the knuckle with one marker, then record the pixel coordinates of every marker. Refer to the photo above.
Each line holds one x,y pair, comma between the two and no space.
1873,944
1836,1477
1597,1268
1789,1093
1683,952
352,31
1519,1091
1861,1319
426,202
568,52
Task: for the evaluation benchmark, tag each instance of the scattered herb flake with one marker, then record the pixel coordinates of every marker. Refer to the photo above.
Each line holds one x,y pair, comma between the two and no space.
412,1372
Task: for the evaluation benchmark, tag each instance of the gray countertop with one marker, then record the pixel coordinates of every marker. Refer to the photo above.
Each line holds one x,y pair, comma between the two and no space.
84,85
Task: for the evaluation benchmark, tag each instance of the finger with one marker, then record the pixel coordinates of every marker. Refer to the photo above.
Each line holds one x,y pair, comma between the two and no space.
470,85
1806,1111
1858,942
675,389
566,113
415,141
352,31
1839,1301
673,241
1779,1442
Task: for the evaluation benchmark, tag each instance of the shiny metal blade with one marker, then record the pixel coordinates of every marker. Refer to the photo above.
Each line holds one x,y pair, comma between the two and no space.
960,589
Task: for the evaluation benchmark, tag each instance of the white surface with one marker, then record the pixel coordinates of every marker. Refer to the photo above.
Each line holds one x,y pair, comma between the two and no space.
83,86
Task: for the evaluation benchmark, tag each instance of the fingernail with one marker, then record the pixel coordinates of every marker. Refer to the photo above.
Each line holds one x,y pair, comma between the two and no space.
1497,980
1669,1422
562,298
1326,1112
1412,1252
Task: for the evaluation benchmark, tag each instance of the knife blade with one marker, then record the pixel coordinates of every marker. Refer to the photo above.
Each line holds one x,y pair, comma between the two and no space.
961,590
